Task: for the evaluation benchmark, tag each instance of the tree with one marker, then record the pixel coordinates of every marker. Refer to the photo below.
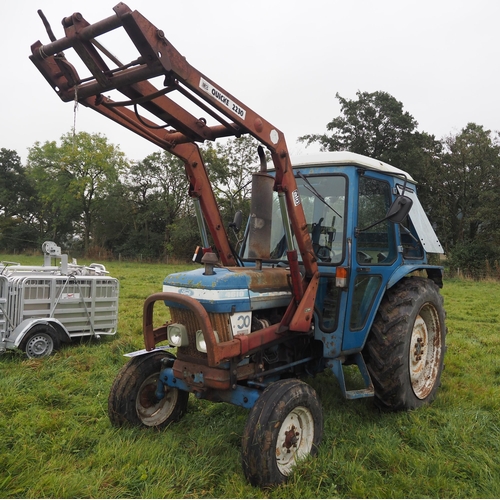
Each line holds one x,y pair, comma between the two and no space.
112,226
469,176
422,160
16,204
230,167
377,126
158,189
73,182
56,208
12,182
374,125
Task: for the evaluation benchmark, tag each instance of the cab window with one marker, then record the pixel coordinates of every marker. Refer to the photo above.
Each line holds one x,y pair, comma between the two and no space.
376,243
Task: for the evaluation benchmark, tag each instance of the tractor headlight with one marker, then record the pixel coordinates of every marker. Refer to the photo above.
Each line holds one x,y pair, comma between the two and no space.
177,335
201,345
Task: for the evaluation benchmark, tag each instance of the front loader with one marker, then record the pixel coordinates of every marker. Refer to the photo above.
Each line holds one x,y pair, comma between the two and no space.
333,268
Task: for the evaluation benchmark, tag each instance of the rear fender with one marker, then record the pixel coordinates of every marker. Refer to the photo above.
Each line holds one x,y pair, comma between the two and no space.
433,272
21,330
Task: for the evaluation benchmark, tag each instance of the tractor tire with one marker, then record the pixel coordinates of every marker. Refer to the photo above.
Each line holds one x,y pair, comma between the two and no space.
284,426
41,341
405,349
132,399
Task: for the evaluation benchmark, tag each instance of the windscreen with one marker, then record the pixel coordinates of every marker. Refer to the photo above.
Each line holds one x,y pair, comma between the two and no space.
323,199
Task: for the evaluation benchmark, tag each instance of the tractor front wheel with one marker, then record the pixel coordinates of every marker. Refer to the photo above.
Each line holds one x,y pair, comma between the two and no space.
284,426
132,399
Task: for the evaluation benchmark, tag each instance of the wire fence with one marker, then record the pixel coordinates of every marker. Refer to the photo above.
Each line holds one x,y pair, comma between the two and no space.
487,271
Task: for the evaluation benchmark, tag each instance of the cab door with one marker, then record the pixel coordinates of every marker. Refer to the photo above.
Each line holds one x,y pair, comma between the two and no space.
374,256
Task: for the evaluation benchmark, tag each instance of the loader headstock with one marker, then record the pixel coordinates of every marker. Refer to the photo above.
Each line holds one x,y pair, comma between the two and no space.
151,110
166,122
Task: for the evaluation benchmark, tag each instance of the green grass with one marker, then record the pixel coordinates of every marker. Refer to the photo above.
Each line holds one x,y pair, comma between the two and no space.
56,439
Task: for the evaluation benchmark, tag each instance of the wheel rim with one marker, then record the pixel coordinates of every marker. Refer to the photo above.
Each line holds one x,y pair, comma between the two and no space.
39,345
150,410
425,351
295,439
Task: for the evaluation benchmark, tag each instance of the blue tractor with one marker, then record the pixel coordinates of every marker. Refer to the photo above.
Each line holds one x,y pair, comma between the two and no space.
333,267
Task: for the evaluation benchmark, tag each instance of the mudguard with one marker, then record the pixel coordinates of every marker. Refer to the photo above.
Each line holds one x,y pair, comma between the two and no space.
17,336
405,269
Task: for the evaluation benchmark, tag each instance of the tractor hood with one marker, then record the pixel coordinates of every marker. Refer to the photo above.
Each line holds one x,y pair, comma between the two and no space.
232,289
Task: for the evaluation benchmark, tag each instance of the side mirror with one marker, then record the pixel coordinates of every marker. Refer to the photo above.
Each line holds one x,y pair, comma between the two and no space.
399,209
238,218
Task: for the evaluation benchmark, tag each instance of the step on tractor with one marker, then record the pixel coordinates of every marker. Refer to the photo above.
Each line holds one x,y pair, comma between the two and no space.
333,267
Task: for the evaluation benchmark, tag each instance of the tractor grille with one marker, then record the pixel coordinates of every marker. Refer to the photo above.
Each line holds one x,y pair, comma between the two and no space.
220,323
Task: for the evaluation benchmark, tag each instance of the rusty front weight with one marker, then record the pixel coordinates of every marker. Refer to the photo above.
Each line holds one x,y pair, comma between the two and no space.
240,345
154,335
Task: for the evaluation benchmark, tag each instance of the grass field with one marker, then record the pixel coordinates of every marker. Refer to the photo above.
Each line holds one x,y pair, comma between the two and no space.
56,439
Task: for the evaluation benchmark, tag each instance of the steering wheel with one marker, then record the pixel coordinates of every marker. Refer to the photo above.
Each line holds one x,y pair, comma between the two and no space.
323,253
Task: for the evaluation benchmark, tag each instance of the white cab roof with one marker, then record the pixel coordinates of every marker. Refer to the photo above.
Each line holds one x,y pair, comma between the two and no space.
347,158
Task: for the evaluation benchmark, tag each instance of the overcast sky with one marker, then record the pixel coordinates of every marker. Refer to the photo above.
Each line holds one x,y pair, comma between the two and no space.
284,59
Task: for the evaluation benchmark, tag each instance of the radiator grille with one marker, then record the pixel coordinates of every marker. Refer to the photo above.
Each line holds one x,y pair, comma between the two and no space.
220,323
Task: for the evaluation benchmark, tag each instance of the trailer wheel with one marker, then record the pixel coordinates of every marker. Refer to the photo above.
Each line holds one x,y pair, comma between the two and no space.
41,341
284,426
406,346
132,399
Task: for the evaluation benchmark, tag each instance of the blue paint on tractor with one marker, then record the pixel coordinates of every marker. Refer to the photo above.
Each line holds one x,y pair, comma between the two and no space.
222,279
222,292
245,397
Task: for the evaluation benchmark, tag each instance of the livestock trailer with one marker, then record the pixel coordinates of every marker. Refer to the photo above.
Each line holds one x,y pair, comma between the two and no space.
42,306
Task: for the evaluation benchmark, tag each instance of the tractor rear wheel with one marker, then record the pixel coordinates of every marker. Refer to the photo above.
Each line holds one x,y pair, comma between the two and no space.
132,399
284,426
406,346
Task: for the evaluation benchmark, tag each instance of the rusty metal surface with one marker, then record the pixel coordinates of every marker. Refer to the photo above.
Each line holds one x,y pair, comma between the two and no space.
157,56
199,377
239,346
305,309
219,322
297,289
259,237
216,352
194,306
266,279
132,80
201,189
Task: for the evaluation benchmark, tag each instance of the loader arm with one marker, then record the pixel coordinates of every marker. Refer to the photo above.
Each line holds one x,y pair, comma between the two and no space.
159,58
